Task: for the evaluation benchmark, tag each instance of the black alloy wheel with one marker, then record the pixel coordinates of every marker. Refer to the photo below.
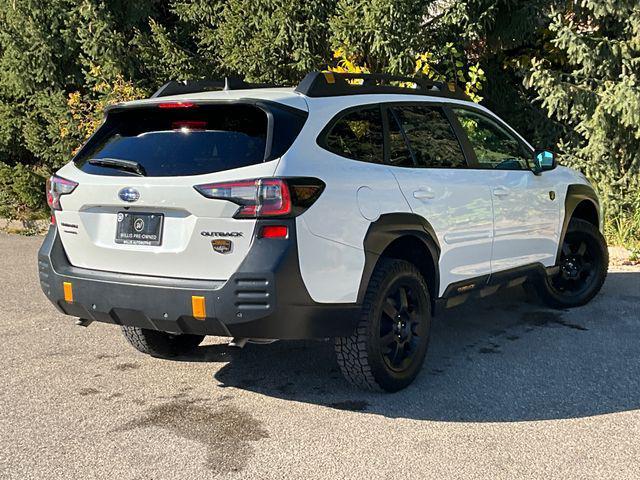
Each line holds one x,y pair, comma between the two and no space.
583,264
401,326
579,263
389,345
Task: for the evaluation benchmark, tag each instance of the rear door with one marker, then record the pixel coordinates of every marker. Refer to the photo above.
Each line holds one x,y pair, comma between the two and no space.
526,214
426,158
135,209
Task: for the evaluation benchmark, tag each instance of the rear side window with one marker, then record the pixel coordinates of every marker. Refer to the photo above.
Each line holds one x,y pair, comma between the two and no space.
430,136
358,135
187,141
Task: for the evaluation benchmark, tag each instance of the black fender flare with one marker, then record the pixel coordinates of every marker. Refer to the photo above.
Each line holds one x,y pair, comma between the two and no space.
576,193
387,229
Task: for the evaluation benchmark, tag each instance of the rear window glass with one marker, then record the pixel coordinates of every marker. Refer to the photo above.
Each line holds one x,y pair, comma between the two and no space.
185,141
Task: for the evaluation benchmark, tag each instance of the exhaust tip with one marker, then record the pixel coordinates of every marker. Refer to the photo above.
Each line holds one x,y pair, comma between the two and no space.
238,342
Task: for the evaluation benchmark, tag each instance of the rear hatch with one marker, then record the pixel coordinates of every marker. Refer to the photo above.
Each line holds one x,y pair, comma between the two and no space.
135,209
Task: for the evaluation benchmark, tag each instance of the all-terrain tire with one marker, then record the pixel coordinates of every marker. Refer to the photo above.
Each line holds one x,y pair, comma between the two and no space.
160,344
583,246
364,358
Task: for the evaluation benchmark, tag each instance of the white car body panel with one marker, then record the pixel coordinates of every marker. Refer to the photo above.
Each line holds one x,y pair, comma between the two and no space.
353,189
356,194
184,252
526,219
331,271
457,204
337,217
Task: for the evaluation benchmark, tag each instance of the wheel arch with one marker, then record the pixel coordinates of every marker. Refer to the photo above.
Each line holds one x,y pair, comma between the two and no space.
580,202
588,211
404,236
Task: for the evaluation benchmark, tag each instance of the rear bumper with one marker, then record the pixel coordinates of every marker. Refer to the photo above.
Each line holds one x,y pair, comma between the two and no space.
265,298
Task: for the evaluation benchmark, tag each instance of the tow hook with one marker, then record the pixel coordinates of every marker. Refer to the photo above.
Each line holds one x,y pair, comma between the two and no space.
83,322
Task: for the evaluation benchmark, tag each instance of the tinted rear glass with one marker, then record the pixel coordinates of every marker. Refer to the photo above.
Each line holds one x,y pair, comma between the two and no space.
185,141
358,135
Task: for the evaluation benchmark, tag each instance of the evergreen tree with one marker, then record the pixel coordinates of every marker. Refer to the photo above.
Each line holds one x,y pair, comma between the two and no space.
590,81
384,35
52,54
175,46
272,41
37,64
63,61
503,37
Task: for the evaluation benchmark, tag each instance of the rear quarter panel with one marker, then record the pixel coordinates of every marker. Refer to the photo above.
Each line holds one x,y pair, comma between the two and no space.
331,233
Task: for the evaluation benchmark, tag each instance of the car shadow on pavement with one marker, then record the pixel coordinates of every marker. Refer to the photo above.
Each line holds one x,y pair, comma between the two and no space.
502,359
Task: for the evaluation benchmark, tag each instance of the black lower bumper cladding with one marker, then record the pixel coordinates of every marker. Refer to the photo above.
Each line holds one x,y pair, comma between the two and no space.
265,298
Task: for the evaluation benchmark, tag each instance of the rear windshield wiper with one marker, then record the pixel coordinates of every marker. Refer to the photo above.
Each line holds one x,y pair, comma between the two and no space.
120,164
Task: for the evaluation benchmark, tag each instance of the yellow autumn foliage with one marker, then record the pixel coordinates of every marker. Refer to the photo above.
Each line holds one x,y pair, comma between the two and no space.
471,80
86,110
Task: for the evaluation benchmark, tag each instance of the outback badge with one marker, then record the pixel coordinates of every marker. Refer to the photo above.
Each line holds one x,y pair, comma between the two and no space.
222,245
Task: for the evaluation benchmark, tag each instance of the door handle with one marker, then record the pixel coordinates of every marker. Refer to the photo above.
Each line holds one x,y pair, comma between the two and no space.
501,191
424,193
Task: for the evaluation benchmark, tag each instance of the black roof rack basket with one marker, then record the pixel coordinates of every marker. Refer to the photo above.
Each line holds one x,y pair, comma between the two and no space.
333,84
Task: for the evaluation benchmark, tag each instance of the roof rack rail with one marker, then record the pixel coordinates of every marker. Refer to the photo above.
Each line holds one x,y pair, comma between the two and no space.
194,86
334,84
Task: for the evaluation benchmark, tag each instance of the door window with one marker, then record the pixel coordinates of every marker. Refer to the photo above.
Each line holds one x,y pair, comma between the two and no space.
358,135
399,153
432,141
493,145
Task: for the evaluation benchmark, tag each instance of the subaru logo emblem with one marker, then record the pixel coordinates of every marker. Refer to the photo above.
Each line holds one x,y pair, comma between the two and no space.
129,194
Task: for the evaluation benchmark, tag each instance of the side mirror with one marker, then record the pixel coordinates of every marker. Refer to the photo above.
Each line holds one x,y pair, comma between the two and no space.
543,160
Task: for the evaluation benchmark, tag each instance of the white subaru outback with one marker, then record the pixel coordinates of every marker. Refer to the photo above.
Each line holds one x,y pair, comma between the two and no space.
349,207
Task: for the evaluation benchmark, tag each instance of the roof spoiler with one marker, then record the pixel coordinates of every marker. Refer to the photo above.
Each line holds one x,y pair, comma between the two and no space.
194,86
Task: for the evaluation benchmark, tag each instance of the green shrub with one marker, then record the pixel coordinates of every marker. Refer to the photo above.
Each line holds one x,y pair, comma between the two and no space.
22,192
622,227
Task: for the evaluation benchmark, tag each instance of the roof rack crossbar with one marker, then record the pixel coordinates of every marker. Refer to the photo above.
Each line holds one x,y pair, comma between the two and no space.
333,84
174,87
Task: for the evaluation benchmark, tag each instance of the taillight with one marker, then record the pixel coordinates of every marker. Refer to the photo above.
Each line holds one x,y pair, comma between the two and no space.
56,187
266,197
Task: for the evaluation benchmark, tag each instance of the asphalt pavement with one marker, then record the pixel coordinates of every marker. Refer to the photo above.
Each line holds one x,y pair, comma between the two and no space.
510,389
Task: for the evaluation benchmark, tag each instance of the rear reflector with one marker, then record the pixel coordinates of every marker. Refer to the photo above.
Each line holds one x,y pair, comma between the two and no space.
198,308
68,292
177,105
274,231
